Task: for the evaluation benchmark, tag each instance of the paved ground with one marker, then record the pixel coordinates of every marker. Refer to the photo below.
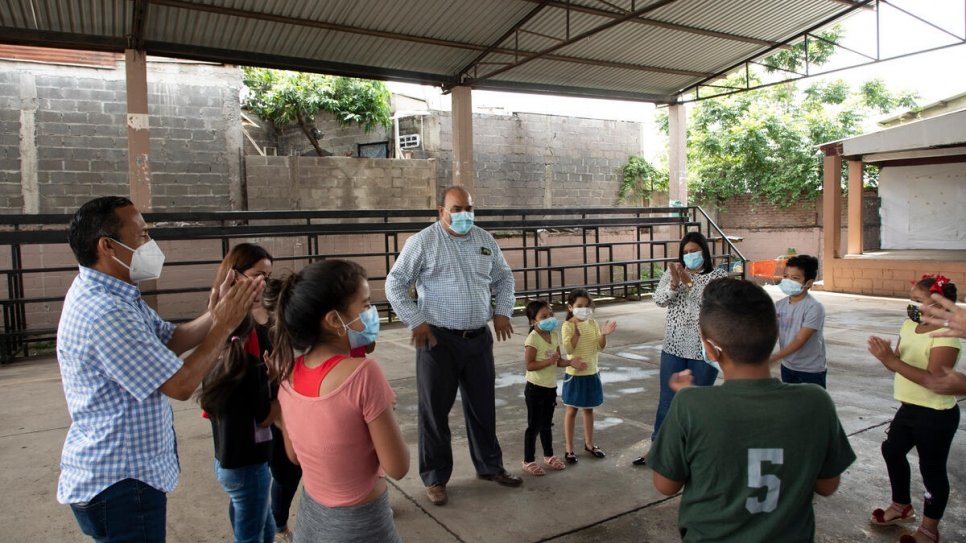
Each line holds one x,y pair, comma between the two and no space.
596,500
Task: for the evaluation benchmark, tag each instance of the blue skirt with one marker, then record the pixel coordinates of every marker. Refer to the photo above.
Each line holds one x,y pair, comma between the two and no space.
583,391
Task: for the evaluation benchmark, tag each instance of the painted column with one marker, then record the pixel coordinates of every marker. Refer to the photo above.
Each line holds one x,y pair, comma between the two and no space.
831,211
138,146
855,207
463,169
678,153
29,187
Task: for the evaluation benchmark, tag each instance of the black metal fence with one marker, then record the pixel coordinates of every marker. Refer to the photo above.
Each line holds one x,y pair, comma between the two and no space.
613,252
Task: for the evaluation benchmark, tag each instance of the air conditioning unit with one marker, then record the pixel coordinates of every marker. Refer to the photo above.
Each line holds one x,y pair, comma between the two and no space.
409,141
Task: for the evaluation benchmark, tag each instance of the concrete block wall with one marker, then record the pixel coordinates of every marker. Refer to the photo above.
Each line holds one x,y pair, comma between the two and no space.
336,139
276,183
63,136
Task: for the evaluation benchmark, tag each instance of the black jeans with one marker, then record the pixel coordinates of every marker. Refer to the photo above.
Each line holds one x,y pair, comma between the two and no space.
540,404
931,432
285,480
464,364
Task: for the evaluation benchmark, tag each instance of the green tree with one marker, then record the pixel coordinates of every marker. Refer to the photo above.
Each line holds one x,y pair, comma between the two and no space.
640,179
284,98
764,141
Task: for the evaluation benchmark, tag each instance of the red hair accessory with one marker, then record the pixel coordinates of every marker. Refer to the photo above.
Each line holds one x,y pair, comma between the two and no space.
939,282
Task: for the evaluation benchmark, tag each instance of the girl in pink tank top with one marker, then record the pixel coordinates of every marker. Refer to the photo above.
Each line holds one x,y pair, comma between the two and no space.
337,410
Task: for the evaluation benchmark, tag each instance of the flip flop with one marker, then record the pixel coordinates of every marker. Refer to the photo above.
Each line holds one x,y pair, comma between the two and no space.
533,469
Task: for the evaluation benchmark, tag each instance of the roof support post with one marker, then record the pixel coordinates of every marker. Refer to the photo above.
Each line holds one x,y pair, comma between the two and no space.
854,226
464,173
832,209
138,145
678,153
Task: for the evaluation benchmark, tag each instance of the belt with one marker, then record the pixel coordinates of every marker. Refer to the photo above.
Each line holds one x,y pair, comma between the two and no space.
463,333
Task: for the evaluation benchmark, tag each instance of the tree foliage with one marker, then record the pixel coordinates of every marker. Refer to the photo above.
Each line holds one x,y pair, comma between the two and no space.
640,179
764,141
285,98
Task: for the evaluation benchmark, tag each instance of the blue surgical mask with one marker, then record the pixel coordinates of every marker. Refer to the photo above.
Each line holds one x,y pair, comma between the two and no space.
461,222
370,319
790,288
548,324
693,261
712,363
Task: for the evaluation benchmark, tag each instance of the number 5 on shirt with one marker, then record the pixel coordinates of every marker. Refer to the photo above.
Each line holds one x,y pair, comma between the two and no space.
757,457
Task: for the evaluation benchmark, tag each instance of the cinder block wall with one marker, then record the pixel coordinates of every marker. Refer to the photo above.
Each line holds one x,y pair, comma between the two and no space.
63,135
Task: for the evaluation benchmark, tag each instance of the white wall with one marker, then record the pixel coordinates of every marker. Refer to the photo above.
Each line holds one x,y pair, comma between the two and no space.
923,207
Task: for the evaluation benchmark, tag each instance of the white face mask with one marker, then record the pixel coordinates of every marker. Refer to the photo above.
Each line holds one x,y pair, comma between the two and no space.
583,313
146,262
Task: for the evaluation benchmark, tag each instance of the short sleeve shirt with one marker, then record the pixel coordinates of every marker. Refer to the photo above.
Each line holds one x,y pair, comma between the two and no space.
546,377
914,350
587,346
113,359
749,453
807,313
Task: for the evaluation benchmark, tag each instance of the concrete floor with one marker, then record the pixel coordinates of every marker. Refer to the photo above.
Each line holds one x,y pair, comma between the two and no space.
596,500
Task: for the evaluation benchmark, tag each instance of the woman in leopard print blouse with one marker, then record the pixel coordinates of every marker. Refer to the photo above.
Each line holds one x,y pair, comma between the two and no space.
680,291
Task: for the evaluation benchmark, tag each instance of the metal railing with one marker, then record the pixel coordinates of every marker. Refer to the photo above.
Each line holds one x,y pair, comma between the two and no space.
613,252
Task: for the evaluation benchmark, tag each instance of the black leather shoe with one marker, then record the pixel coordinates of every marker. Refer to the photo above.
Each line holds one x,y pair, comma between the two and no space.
503,478
640,461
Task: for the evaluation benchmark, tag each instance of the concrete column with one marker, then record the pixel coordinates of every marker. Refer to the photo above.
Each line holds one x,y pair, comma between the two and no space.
29,187
138,146
463,169
855,207
831,210
677,153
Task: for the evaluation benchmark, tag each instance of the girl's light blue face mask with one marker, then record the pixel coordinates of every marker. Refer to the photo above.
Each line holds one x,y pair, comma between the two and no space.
693,261
549,324
790,287
370,319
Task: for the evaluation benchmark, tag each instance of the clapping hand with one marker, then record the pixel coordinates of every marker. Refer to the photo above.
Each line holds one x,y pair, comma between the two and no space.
553,357
882,350
608,328
680,380
678,275
578,364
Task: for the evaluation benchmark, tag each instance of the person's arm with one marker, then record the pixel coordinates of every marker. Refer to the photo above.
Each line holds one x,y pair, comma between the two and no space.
569,335
226,316
608,329
949,382
800,340
389,444
940,359
667,486
947,315
532,364
827,487
502,286
287,441
665,293
403,275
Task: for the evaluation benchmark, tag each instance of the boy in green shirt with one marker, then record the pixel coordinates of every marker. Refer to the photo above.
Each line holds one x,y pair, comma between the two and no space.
750,453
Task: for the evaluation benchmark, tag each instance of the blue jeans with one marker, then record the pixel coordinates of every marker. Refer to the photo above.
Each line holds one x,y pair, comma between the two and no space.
702,372
128,511
251,518
793,377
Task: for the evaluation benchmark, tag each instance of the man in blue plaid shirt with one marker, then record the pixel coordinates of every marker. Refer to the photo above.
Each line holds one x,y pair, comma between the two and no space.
120,363
457,269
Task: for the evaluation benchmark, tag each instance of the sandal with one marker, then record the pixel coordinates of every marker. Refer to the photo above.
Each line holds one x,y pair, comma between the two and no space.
533,469
906,538
553,463
595,450
906,516
570,457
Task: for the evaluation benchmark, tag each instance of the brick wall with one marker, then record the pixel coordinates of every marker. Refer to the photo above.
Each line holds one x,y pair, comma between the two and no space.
882,277
64,135
283,182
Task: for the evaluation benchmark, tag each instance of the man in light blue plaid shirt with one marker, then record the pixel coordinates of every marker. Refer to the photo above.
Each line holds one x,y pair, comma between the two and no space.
119,362
457,268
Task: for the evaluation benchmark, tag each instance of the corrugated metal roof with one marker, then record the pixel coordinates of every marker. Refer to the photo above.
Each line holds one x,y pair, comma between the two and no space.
644,49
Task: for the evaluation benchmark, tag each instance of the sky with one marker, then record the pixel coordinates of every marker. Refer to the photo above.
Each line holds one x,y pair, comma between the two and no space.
933,76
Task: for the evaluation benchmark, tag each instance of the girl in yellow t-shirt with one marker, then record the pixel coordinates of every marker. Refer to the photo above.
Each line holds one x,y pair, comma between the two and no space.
582,389
925,420
541,355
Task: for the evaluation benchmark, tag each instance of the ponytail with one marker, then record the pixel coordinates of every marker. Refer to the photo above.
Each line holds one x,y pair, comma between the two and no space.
281,361
228,372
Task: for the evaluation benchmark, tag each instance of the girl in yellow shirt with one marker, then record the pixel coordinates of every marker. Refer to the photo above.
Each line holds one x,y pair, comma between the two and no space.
925,420
582,389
